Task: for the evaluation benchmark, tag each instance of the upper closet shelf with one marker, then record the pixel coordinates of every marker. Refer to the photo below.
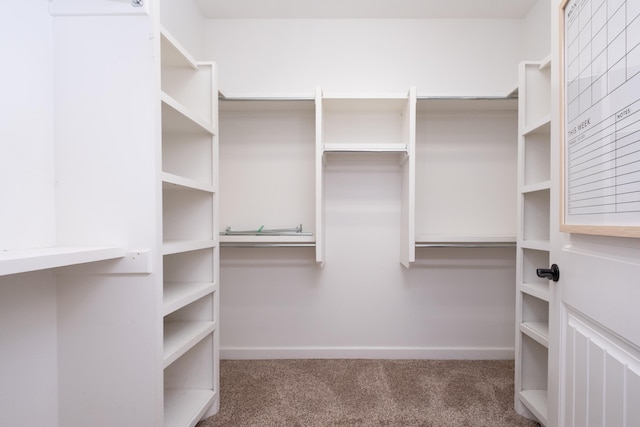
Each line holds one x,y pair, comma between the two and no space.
177,118
25,260
173,53
365,148
453,104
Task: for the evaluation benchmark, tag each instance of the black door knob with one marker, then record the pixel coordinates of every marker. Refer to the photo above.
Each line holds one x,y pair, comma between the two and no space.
552,273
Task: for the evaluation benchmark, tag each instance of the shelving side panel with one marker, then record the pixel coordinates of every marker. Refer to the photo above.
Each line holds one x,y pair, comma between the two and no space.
466,172
408,206
267,164
319,178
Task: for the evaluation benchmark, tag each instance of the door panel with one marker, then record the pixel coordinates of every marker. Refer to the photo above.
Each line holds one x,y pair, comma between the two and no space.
602,376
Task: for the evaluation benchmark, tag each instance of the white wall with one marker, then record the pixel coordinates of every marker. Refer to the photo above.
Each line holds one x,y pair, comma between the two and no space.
537,32
28,311
26,127
184,21
439,57
453,303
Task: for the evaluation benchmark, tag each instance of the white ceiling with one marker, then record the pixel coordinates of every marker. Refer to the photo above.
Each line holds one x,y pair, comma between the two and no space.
395,9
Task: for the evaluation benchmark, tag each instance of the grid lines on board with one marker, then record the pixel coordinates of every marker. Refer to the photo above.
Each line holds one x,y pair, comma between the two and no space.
603,50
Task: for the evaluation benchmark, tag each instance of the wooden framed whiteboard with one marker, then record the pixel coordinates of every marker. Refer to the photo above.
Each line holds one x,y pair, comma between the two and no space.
600,117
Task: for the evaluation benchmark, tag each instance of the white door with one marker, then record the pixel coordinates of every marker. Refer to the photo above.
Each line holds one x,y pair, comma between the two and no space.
595,325
598,313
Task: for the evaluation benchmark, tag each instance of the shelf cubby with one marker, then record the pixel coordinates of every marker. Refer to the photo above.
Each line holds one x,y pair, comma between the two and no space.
188,214
534,368
190,227
267,171
185,327
536,216
457,141
357,123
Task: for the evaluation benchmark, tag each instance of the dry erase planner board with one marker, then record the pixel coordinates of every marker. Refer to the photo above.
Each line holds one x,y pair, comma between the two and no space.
600,117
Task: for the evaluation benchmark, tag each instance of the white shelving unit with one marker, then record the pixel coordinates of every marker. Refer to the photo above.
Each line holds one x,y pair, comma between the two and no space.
459,140
533,245
190,234
381,124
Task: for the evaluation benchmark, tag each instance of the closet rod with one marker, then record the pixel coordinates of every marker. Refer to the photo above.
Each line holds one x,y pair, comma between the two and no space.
464,98
266,245
266,98
466,245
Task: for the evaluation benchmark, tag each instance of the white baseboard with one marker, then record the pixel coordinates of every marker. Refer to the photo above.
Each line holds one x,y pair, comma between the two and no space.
453,353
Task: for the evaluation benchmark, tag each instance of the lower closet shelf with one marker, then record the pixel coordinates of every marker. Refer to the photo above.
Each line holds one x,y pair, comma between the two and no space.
180,336
536,402
178,294
186,407
539,331
26,260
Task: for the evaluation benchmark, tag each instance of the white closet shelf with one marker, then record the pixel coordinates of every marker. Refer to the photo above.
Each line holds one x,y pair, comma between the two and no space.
433,240
545,63
176,182
178,118
536,402
180,336
25,260
538,331
465,104
178,246
186,407
538,186
173,53
180,294
540,126
538,290
365,148
538,245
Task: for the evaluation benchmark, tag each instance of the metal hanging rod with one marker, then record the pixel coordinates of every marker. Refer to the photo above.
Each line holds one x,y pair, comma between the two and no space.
261,231
466,245
266,245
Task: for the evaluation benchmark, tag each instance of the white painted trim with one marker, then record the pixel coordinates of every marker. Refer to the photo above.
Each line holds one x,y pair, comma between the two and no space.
433,353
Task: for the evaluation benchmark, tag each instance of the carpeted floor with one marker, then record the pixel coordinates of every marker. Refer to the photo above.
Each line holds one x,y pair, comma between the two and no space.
433,393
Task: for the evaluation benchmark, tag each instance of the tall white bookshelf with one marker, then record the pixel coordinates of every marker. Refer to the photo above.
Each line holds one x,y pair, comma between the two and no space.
190,250
533,245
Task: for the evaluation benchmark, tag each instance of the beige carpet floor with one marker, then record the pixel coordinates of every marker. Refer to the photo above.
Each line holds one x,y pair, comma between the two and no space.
429,393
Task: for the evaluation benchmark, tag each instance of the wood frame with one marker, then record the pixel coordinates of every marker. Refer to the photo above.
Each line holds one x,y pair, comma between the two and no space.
630,227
